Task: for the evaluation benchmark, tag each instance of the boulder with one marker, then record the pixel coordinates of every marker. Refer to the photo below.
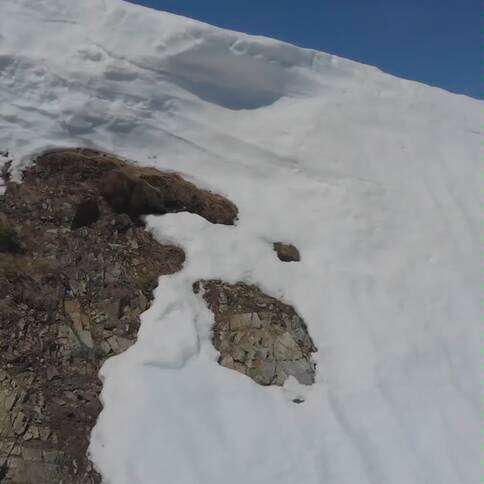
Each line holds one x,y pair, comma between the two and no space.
286,252
258,335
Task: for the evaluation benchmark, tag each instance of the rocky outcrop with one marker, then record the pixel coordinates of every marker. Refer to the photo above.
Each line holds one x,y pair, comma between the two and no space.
286,252
71,298
132,189
258,335
76,270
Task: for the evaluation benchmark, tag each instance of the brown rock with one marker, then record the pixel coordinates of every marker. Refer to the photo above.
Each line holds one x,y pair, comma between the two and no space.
286,252
54,303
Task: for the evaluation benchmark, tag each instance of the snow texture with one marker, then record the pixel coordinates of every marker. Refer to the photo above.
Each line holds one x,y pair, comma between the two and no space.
373,178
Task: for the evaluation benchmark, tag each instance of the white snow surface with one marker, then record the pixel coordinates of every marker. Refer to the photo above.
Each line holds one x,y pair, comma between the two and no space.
373,178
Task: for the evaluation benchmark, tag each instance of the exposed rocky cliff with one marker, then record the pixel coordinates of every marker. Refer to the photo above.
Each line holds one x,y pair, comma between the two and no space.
77,269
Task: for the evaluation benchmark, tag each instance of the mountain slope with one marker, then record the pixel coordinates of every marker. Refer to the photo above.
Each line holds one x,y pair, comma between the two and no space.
373,178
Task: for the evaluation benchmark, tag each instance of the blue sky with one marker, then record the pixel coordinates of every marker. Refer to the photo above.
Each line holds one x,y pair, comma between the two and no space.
438,42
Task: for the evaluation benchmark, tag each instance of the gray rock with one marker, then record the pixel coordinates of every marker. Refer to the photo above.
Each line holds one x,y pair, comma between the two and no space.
119,344
299,369
263,372
20,423
52,456
244,320
31,453
9,400
51,372
257,335
44,433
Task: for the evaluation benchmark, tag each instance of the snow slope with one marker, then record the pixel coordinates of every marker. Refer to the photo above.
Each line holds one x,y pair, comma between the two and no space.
373,178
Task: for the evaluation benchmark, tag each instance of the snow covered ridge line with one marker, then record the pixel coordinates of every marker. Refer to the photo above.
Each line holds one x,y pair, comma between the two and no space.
182,39
165,33
231,69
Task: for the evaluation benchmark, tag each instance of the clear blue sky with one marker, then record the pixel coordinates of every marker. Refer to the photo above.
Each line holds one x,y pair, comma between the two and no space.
438,42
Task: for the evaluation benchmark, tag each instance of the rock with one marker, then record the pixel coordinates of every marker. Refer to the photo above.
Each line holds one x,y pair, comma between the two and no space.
52,456
10,400
258,335
264,371
244,320
54,302
32,433
80,322
106,348
44,433
299,369
86,338
20,423
87,212
286,252
110,323
68,341
5,170
119,344
285,348
227,361
31,453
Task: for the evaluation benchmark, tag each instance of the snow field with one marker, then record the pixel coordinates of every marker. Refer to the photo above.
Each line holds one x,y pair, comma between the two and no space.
373,178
